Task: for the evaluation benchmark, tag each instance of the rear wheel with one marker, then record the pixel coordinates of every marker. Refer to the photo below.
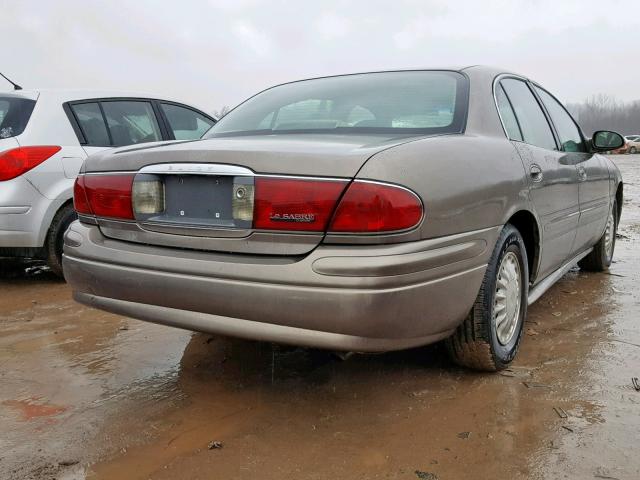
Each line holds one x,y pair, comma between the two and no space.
633,150
601,256
55,240
489,337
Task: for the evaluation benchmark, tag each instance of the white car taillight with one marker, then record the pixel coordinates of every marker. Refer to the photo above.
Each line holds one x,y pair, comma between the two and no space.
17,161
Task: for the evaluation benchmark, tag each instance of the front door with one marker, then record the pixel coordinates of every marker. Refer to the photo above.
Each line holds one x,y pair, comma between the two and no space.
594,200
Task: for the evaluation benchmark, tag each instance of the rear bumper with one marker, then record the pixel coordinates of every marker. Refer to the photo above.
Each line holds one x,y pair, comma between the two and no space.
361,298
22,209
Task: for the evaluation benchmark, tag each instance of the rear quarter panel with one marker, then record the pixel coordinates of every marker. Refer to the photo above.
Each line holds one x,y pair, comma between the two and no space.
50,126
466,182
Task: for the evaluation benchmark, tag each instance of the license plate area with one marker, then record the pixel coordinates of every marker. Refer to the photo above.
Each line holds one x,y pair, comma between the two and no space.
194,200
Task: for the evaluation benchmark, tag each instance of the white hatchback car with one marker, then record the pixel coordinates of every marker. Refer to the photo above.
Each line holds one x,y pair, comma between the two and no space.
45,136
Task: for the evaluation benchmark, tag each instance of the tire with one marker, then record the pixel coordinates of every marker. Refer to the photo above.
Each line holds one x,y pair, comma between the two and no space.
55,240
601,256
476,343
633,150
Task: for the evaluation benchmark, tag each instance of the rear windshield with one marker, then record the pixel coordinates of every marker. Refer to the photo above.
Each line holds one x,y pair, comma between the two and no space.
14,115
414,102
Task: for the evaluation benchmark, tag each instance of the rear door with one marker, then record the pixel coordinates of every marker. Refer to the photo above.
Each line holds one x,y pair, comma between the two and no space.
108,123
131,122
90,128
184,123
553,179
593,174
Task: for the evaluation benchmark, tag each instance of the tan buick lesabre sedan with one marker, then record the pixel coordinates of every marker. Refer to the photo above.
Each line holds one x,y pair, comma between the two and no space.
364,212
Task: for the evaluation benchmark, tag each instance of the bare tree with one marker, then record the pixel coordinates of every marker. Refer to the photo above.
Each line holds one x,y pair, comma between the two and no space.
604,112
222,112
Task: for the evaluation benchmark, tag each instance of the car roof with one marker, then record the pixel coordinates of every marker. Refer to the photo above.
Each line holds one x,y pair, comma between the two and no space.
479,71
70,95
19,94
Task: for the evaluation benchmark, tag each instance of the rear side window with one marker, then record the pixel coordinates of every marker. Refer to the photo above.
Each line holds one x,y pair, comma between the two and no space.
15,113
131,122
570,137
509,119
186,124
533,123
92,124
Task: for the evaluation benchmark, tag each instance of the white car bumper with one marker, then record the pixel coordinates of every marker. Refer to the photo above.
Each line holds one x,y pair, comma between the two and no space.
22,209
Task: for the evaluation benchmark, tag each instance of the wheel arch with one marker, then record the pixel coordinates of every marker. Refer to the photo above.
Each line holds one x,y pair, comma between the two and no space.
527,225
619,200
52,214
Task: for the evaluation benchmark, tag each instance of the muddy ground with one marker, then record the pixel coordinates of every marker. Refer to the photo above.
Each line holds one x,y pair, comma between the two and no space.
85,394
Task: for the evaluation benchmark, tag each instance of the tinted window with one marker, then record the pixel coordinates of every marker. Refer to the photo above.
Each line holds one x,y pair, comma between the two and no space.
570,138
506,114
533,124
131,122
420,102
92,124
185,123
14,115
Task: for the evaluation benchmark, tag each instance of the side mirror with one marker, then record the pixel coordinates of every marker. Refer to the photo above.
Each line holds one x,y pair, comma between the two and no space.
604,140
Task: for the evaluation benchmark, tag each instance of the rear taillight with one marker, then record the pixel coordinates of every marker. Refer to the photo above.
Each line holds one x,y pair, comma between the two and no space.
17,161
371,207
295,204
104,195
308,205
270,203
148,196
80,202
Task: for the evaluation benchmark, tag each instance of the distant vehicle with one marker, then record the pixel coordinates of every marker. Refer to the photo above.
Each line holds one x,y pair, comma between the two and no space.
623,149
633,144
364,212
46,135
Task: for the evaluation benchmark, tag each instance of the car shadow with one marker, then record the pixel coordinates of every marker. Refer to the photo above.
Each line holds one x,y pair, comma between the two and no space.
231,363
26,269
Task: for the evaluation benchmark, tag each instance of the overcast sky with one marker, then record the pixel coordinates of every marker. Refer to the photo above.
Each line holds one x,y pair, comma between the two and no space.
218,52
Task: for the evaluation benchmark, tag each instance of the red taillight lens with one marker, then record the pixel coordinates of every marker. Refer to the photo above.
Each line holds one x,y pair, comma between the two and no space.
17,161
80,202
369,207
106,195
295,204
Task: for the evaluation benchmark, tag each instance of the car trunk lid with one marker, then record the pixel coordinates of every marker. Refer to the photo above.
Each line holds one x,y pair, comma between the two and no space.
293,154
200,180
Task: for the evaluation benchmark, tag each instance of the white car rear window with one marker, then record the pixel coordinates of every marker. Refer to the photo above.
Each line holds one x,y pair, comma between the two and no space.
15,113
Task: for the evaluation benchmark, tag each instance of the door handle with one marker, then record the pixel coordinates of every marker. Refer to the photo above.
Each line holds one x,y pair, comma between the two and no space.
536,173
582,174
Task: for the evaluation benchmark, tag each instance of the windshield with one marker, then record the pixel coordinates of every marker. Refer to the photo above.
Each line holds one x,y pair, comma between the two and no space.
413,102
14,115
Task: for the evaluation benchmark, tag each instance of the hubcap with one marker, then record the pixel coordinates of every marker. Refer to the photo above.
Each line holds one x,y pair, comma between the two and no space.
506,308
609,234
